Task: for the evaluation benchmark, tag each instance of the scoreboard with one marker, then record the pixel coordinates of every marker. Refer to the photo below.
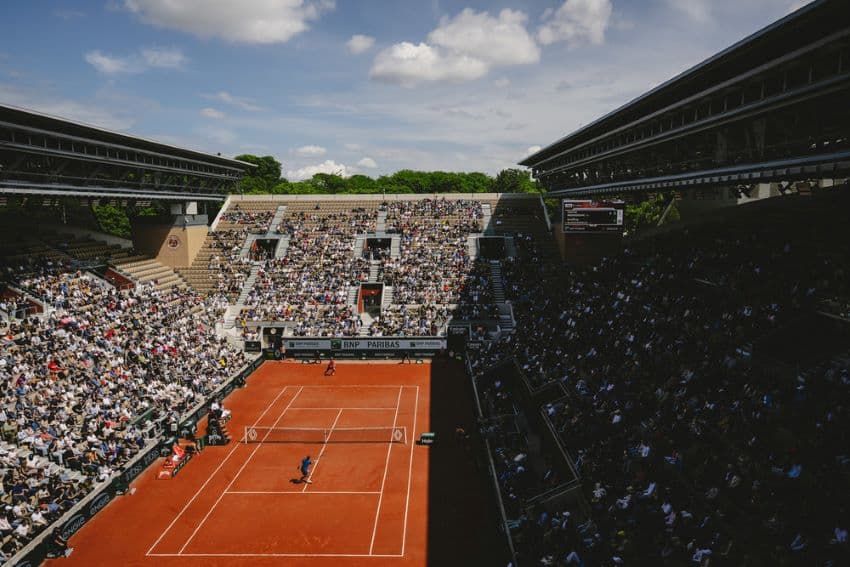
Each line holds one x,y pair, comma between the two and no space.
592,217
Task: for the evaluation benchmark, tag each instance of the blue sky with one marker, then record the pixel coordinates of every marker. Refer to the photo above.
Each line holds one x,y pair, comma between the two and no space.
357,86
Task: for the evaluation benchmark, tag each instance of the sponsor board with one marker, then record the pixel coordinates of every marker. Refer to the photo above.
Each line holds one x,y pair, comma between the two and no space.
73,525
99,503
367,344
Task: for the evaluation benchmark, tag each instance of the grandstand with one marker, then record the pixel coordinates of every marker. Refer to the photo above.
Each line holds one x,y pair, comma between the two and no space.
679,396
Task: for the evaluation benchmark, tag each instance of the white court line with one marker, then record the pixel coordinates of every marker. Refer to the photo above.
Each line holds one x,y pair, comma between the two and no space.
235,446
299,493
328,409
386,466
245,464
270,555
409,471
332,386
322,450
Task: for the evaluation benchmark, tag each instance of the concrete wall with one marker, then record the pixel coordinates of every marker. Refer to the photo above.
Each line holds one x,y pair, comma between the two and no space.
699,200
174,246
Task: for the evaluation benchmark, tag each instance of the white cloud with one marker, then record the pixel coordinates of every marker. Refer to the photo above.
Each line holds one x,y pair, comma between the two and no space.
327,166
360,43
310,151
462,48
246,21
239,102
578,21
368,163
502,83
532,150
698,11
407,64
150,58
212,113
164,58
352,147
108,64
496,41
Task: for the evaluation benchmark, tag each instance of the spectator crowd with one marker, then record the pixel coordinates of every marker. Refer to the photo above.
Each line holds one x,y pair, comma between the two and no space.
80,378
691,449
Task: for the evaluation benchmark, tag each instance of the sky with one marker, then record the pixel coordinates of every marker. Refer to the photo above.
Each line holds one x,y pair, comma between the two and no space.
357,86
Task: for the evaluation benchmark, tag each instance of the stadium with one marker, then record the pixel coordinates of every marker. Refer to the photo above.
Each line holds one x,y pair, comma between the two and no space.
633,348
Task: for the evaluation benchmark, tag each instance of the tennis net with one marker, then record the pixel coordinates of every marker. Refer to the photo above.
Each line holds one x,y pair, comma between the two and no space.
325,435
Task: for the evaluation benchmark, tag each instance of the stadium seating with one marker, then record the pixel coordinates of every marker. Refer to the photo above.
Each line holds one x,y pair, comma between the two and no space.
83,374
691,445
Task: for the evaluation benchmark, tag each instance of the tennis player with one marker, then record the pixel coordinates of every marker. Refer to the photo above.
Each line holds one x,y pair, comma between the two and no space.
331,369
305,469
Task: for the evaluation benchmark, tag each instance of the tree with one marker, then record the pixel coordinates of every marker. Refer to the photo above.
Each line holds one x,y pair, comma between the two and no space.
264,178
112,220
514,181
647,213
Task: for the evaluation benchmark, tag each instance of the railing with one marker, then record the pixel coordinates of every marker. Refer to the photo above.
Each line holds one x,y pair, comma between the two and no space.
491,466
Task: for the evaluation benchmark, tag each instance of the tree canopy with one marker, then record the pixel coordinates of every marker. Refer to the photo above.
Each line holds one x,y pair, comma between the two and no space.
267,179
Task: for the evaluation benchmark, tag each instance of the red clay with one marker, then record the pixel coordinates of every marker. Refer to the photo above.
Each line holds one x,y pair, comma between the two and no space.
240,505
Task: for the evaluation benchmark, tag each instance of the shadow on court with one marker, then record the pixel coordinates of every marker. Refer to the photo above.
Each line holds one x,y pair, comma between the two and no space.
462,512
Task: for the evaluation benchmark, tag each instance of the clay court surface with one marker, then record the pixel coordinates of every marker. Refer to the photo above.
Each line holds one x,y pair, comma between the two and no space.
242,504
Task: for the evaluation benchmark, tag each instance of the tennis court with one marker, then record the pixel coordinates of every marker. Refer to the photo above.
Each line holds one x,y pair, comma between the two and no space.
244,504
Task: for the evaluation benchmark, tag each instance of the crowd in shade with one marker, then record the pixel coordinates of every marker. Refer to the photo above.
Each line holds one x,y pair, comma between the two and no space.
80,378
696,442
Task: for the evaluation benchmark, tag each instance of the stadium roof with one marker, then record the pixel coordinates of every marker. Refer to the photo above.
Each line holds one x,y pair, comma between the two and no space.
800,28
13,115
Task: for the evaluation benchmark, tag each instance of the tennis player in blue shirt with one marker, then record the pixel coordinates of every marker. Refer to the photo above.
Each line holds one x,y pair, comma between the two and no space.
305,469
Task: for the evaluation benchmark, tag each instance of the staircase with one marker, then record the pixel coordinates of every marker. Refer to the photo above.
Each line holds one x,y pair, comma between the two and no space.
247,286
395,247
246,247
150,270
374,269
367,320
506,312
278,216
359,245
497,282
506,317
387,297
231,315
472,246
487,219
510,247
353,291
381,224
282,247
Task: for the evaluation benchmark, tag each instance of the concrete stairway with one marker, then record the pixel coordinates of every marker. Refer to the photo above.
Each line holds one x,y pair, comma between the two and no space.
246,247
497,282
282,247
359,245
278,216
472,246
248,285
352,295
150,270
510,247
487,219
374,269
381,224
387,297
395,247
